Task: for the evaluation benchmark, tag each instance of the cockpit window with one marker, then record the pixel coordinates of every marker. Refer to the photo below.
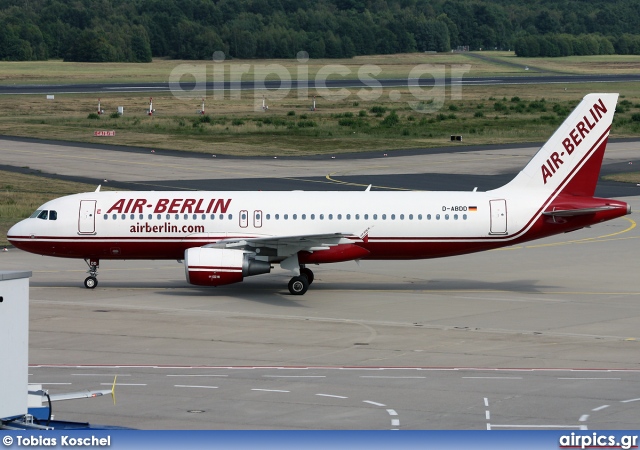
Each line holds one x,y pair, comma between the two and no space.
44,215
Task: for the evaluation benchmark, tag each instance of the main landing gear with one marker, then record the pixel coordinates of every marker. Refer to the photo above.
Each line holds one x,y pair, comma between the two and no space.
92,280
298,285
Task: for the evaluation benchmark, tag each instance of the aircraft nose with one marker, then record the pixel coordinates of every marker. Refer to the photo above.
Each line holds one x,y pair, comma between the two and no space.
15,231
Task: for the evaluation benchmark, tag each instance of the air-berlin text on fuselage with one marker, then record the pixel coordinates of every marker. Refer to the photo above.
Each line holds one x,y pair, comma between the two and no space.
171,205
571,142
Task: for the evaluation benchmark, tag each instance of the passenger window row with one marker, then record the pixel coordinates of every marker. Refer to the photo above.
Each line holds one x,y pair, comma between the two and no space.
283,216
364,217
169,216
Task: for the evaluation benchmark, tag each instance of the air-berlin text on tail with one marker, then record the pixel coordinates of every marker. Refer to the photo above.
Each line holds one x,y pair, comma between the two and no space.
171,205
574,139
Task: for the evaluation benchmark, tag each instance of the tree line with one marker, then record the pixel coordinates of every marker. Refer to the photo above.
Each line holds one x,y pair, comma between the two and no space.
137,30
584,44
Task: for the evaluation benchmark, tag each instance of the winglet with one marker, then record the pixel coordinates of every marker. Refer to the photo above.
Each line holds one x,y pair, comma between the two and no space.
113,390
98,188
368,188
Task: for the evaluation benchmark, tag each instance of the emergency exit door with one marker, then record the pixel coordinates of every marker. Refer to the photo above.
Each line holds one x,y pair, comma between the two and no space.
244,218
257,218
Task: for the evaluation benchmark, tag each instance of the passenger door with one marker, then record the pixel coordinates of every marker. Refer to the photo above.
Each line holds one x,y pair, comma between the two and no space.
87,217
498,216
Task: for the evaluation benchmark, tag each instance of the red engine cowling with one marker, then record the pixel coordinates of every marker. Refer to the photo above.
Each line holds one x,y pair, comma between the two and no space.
218,266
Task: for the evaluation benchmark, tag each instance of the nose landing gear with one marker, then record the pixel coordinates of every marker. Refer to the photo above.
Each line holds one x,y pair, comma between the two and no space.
92,280
298,285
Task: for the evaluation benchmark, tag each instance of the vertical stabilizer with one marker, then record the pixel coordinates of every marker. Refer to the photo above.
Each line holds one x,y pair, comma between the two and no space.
570,161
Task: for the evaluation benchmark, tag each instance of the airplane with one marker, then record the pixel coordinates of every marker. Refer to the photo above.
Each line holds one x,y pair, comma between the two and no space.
40,409
37,396
223,237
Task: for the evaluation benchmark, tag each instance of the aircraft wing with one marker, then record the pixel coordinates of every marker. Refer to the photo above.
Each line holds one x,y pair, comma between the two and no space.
286,244
79,394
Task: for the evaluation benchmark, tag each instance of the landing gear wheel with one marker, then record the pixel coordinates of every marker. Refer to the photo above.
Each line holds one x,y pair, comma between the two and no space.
307,273
90,282
298,285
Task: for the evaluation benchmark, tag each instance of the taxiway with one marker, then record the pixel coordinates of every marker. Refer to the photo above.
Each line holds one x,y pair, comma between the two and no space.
542,335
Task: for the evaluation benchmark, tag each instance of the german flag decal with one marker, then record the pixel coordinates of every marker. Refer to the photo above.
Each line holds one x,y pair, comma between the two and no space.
473,208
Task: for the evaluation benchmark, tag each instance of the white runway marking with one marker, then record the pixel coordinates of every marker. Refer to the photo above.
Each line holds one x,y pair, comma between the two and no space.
269,390
399,378
392,412
569,427
329,395
197,375
487,413
629,401
52,383
339,368
294,376
493,378
100,374
586,378
164,88
583,418
600,408
395,423
373,403
198,387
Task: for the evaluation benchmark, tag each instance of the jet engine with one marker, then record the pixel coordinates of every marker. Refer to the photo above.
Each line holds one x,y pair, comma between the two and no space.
218,266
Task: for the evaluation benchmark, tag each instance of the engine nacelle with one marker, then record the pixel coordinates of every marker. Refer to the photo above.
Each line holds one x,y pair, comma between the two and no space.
218,266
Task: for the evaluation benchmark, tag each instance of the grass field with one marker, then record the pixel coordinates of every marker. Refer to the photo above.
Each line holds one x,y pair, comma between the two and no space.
631,177
391,66
597,64
237,125
359,121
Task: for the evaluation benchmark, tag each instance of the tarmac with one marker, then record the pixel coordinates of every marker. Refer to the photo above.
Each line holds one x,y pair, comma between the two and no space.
542,335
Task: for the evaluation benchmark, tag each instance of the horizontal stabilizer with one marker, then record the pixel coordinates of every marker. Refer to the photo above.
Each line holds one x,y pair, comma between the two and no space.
578,212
